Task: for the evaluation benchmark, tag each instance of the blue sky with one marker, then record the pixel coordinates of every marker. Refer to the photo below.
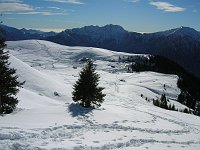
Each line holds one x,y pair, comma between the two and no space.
133,15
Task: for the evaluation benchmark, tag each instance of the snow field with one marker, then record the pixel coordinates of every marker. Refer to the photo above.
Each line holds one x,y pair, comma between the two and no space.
44,120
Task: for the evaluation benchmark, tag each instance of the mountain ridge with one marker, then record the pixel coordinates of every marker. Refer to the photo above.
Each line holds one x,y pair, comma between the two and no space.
14,34
181,45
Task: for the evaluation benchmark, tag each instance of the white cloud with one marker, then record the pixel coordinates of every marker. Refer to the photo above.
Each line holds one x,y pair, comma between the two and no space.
46,13
7,7
67,1
10,1
17,7
194,11
165,6
134,1
57,8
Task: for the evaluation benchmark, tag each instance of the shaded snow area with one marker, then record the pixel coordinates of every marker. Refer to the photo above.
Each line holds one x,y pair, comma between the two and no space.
47,118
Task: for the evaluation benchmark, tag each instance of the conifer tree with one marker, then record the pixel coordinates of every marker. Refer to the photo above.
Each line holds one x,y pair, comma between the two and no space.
197,110
9,86
163,100
86,91
173,107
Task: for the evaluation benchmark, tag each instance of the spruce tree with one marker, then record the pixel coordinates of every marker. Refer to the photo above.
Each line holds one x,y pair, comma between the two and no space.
9,86
163,100
173,107
86,91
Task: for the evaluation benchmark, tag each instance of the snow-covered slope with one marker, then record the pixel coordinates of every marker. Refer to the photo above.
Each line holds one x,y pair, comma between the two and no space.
46,117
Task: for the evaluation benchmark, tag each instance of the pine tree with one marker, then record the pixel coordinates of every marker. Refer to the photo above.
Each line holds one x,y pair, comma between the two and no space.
173,107
163,100
197,110
169,107
186,110
9,86
86,91
157,102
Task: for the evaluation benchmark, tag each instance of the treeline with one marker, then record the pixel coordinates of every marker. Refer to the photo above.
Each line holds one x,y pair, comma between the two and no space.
188,83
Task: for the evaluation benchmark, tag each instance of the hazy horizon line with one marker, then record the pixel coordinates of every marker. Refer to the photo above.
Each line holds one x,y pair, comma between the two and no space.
58,30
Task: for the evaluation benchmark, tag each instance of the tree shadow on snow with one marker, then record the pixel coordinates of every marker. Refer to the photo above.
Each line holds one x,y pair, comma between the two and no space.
77,110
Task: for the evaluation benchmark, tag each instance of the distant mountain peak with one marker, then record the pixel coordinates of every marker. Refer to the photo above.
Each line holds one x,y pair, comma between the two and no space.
183,28
181,31
97,33
93,28
186,31
113,26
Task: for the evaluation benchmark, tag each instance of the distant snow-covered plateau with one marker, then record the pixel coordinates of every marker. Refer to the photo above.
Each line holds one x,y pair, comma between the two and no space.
47,118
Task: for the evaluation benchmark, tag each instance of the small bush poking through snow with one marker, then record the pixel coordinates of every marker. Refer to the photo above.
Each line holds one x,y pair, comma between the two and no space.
56,94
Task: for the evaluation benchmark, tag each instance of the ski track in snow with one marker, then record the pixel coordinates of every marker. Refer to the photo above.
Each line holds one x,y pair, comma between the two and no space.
125,120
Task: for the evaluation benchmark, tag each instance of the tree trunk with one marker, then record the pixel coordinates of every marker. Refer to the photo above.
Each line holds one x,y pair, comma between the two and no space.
0,106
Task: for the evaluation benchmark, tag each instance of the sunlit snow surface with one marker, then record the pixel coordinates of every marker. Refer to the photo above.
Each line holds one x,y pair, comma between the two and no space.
124,121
